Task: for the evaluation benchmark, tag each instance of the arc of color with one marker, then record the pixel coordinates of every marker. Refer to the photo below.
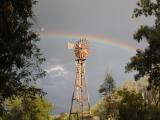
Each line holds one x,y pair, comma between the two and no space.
101,39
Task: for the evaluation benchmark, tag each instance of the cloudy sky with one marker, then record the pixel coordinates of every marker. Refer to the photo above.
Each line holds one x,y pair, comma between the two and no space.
110,19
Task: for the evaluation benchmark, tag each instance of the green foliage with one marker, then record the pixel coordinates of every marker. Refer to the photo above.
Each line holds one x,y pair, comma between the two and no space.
131,101
63,116
134,107
26,108
99,110
106,108
122,105
107,86
20,57
131,105
147,62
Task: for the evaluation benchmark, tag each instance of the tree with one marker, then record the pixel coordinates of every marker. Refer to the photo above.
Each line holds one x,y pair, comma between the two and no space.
147,62
63,116
20,57
27,108
136,100
131,101
131,105
107,107
107,86
99,109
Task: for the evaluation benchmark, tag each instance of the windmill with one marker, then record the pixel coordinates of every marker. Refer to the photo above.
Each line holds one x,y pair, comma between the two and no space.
80,106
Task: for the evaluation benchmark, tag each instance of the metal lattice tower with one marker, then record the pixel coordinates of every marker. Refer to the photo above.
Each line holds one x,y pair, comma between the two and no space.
80,106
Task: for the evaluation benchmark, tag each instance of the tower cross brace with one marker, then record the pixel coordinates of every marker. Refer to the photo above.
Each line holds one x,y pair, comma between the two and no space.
80,106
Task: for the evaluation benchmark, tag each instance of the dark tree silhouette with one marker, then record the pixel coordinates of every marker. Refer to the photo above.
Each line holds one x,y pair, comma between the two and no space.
20,58
107,86
147,62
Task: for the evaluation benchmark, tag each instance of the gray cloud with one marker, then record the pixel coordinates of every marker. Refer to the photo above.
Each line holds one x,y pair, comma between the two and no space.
57,71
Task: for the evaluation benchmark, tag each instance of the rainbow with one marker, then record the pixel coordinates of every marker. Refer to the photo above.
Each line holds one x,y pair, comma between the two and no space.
96,38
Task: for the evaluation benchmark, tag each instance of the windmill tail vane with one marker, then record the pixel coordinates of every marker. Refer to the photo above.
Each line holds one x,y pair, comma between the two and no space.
70,45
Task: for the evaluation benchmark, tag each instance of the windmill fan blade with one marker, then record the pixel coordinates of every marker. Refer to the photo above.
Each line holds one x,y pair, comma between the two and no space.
70,45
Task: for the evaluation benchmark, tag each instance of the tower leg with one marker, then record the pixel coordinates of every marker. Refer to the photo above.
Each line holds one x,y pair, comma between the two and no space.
80,107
